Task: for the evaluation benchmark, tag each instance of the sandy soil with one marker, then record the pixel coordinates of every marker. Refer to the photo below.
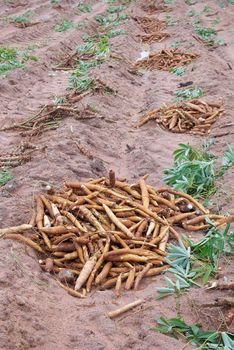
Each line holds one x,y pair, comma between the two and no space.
34,311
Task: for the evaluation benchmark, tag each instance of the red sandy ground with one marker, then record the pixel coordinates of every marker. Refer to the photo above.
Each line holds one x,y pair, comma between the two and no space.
34,311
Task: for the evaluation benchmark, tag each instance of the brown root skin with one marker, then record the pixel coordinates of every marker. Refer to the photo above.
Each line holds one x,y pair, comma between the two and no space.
109,236
141,228
111,178
58,230
194,116
123,309
27,241
118,286
117,222
40,212
15,229
130,279
141,275
104,273
85,272
185,195
71,291
144,193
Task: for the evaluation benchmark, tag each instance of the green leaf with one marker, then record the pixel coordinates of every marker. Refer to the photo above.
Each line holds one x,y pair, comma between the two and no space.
228,157
5,176
195,171
228,340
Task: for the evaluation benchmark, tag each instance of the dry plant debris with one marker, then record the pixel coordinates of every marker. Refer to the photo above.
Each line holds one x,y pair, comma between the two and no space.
195,116
24,24
150,25
49,117
70,61
98,86
155,6
208,43
166,59
21,155
107,232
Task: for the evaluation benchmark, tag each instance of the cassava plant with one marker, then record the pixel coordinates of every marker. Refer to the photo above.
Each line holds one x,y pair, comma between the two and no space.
195,170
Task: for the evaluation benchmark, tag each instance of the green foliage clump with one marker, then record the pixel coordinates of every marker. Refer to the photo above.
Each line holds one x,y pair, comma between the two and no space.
97,49
195,171
205,33
55,2
81,83
63,26
178,70
199,260
11,59
111,19
115,9
5,176
190,93
23,18
195,335
84,8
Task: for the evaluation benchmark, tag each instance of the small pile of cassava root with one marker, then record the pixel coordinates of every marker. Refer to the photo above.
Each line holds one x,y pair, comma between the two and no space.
108,233
195,116
152,28
165,59
150,25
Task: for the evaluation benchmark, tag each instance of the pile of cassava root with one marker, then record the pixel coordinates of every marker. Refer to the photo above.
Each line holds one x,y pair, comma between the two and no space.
165,59
195,116
108,233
